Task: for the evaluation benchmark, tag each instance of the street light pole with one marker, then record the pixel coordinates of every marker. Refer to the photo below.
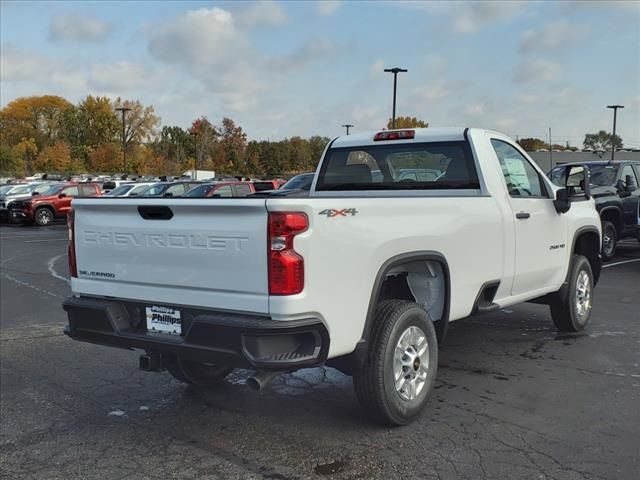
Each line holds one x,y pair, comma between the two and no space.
395,72
348,126
195,143
613,137
124,110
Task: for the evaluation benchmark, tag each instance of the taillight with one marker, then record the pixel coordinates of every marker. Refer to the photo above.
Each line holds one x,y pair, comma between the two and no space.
394,135
286,266
73,265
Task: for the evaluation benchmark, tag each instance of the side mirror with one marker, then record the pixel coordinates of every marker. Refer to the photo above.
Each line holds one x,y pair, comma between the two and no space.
62,195
630,184
622,188
578,181
168,194
577,184
562,202
33,194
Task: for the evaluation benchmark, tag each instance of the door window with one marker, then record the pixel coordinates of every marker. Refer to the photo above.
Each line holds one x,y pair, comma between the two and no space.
241,190
88,190
174,190
522,179
629,174
71,191
224,191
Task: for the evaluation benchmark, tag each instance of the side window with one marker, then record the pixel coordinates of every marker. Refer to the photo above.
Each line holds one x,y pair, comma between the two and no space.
88,190
629,174
177,189
71,191
223,191
241,190
637,169
522,179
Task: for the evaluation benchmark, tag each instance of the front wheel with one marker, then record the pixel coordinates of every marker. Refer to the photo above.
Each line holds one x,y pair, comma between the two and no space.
43,216
397,377
572,313
199,374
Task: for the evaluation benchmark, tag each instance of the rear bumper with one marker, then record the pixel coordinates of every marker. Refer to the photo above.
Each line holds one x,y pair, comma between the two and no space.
241,340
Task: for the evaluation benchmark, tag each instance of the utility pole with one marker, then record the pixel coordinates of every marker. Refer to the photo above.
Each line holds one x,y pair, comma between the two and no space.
613,137
195,143
348,126
124,110
395,71
550,153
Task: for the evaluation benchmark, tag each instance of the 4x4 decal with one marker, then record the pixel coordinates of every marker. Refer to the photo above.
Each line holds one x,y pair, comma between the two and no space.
332,212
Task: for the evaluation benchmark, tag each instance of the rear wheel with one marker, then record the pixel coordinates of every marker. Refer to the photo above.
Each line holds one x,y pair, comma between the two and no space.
397,377
43,216
200,374
572,313
609,240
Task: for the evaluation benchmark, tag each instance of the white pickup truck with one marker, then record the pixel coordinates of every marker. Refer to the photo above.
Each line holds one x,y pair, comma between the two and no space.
402,232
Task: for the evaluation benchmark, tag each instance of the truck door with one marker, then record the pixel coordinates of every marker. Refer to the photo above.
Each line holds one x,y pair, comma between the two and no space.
540,232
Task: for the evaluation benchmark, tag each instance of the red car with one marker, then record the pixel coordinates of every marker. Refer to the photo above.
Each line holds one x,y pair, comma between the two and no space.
262,185
221,189
42,209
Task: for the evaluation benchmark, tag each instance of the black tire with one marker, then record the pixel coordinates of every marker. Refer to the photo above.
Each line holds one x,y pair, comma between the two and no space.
43,216
375,382
609,240
564,308
195,373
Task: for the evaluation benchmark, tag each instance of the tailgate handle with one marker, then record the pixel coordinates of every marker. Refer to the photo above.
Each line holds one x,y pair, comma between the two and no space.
153,212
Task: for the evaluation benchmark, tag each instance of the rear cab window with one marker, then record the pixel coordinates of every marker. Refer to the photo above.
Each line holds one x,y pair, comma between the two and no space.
403,166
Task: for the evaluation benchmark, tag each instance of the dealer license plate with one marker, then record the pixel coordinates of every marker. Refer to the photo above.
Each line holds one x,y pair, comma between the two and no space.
164,320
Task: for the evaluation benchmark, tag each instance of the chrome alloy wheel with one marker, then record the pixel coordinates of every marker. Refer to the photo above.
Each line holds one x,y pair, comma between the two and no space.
411,363
583,295
607,242
44,216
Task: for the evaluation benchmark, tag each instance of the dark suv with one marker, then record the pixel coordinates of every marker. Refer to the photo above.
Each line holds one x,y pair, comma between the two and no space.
615,187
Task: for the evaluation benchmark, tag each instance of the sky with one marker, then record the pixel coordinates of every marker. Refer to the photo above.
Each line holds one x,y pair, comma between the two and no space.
281,69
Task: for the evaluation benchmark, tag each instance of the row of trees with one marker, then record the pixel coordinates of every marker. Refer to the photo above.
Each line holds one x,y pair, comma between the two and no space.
50,134
594,141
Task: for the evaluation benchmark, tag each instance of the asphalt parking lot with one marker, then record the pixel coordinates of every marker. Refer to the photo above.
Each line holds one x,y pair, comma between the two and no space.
514,398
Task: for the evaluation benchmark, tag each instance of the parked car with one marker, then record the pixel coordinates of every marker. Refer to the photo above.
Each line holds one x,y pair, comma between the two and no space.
110,185
221,189
299,182
168,189
360,275
54,202
262,185
296,186
615,187
129,189
19,192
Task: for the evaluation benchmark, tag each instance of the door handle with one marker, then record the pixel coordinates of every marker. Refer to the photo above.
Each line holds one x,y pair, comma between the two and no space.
522,215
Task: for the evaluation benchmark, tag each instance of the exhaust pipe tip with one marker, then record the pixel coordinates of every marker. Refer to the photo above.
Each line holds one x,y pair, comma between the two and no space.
261,379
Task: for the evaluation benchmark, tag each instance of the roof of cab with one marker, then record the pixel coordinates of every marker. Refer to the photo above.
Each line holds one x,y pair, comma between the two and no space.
437,134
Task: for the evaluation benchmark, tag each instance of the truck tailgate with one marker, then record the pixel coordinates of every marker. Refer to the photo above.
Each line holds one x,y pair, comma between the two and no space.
210,252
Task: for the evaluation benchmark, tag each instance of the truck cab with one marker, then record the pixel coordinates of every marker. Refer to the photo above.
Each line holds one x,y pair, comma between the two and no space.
615,187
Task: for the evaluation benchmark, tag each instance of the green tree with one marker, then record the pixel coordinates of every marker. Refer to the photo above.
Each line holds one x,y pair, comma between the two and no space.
233,142
532,144
317,145
39,117
10,161
407,122
601,141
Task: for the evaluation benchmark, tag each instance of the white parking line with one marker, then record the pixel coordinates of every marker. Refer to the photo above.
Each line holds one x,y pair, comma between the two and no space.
52,271
17,237
48,240
621,263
